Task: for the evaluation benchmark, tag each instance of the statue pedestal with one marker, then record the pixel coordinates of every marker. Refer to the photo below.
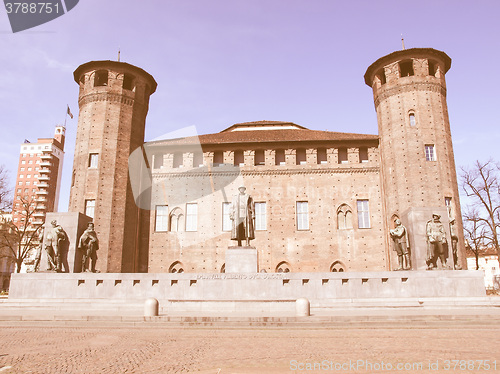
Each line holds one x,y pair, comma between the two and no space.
241,260
415,220
74,224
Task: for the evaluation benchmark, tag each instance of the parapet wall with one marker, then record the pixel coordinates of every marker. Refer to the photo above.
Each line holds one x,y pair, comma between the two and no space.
317,287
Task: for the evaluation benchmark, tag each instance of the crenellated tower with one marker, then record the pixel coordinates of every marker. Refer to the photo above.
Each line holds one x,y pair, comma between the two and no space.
417,162
113,101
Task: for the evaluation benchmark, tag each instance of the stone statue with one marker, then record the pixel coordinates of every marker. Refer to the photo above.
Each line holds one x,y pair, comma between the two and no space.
436,243
55,236
454,243
243,217
89,244
39,249
401,245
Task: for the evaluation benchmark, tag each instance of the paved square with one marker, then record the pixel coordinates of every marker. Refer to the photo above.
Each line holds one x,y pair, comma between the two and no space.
365,347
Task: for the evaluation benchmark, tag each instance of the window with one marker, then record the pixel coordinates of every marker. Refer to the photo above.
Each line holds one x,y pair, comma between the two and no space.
21,175
161,221
198,159
218,158
128,82
226,220
176,218
178,160
22,169
344,217
406,68
381,76
363,154
93,160
343,156
28,176
412,119
302,215
301,157
239,158
260,216
191,217
449,208
28,183
430,154
321,156
20,183
101,78
89,208
29,169
157,160
23,162
432,68
280,157
260,157
363,214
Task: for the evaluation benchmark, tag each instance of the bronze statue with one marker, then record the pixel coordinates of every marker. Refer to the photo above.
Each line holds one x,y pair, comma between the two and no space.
401,245
55,236
39,249
454,243
89,244
436,243
243,217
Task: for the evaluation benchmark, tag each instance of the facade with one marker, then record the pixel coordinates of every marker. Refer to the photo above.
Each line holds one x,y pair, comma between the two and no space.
488,262
324,201
39,177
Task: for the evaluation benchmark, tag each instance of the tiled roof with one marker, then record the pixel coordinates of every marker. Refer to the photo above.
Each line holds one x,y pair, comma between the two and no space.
270,136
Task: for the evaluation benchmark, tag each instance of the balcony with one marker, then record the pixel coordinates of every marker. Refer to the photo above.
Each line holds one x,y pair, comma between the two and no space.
45,163
40,199
43,185
39,214
44,171
41,207
43,178
46,156
42,192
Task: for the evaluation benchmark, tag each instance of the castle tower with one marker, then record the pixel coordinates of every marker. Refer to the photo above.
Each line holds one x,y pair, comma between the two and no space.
417,162
113,101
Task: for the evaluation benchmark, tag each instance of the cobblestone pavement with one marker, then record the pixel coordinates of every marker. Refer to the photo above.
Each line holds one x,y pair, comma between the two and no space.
54,347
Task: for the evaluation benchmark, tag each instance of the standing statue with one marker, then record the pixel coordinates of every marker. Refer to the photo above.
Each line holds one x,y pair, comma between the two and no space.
243,217
401,245
436,243
39,249
454,243
89,244
55,236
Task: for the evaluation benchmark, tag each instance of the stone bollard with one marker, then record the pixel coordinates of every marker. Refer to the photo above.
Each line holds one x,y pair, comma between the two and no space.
302,307
151,307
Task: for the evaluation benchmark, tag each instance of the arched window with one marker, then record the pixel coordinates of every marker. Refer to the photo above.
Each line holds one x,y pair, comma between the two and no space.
283,267
337,266
101,78
344,217
176,267
176,222
412,119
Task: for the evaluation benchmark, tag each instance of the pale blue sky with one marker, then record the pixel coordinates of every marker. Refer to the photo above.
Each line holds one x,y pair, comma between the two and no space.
221,62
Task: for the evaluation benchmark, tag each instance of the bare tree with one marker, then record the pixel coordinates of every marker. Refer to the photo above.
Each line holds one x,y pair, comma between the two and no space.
481,184
474,233
5,192
20,239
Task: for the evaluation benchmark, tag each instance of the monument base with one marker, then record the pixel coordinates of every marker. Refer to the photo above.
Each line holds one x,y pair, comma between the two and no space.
241,260
74,224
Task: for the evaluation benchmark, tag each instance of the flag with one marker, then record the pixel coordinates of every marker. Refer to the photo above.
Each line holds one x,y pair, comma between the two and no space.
69,112
26,141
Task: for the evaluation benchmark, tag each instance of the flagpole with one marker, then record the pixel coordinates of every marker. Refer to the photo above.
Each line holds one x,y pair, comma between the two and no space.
66,116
